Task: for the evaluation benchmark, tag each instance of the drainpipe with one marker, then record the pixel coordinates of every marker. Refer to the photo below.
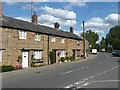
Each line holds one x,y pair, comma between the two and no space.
48,49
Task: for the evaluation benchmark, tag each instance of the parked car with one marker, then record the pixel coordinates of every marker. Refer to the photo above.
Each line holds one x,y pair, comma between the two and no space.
116,53
94,51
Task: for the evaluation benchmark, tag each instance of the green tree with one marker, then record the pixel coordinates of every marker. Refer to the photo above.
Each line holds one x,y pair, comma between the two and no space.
92,38
113,37
102,44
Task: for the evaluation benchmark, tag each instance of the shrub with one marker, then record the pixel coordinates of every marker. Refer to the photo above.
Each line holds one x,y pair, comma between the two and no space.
52,57
67,58
72,58
62,59
7,68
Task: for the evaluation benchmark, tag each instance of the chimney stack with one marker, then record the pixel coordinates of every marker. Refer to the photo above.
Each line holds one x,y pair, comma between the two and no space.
0,9
56,25
35,18
71,29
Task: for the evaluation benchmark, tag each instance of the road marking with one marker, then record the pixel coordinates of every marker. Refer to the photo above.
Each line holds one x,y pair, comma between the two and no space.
73,70
98,63
107,81
82,83
92,76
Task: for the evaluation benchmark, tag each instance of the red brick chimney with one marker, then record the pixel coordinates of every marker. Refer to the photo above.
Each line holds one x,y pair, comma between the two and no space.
0,9
35,18
71,29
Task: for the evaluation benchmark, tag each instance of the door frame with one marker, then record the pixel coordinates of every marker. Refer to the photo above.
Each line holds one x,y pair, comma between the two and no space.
28,58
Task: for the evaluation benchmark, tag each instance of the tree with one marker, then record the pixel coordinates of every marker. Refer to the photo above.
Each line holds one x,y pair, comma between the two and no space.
102,44
113,37
91,37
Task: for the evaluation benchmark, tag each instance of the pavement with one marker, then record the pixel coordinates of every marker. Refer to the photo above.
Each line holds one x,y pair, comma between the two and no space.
96,71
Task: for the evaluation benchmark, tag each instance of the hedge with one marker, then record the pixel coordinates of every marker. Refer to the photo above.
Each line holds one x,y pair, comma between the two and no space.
6,68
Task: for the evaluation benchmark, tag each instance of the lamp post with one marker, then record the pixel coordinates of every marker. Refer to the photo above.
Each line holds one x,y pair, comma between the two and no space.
84,41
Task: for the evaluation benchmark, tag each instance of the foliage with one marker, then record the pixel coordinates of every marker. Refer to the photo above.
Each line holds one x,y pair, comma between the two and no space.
102,44
92,38
62,59
112,38
52,57
7,68
72,58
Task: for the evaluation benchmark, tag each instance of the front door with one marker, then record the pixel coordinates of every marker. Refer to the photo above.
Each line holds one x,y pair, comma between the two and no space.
0,55
24,59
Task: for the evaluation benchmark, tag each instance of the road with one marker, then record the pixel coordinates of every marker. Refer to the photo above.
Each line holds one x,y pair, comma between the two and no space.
100,71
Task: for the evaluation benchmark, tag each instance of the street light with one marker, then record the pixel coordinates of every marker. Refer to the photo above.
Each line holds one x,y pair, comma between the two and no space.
84,41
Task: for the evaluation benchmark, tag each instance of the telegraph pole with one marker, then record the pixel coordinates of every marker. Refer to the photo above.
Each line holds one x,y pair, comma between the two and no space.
84,40
31,3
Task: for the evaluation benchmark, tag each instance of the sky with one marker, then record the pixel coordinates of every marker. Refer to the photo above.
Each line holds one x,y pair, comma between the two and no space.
98,16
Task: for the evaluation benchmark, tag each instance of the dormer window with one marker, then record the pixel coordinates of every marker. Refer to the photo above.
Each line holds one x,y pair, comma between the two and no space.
52,38
37,37
22,35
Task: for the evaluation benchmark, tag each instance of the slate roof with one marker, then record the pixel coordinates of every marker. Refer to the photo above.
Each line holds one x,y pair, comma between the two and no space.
27,26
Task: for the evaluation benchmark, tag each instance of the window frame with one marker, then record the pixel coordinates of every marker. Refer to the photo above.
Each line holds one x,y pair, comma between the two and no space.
38,54
53,38
22,34
38,35
62,40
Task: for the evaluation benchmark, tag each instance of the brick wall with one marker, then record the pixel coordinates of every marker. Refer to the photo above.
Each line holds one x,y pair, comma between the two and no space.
13,45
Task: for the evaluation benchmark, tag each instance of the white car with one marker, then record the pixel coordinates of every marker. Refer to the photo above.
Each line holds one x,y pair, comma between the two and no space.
94,51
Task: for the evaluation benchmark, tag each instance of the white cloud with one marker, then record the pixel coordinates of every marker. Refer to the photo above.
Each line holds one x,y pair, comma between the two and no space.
70,5
24,19
60,13
49,19
10,3
102,25
112,19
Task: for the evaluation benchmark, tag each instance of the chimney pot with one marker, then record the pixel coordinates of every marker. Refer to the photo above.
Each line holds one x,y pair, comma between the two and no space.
56,25
35,18
71,29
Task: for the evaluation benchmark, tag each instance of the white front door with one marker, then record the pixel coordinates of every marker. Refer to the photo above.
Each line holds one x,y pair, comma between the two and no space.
0,55
24,59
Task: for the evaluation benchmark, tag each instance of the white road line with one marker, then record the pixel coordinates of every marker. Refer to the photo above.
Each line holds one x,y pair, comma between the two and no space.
107,81
74,70
84,80
67,72
92,76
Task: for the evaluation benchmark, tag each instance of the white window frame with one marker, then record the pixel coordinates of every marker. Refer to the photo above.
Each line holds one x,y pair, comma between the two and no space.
53,38
38,54
62,53
62,40
22,34
37,37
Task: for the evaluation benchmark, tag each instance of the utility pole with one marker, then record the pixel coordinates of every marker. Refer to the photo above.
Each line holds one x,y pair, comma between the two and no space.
31,3
84,41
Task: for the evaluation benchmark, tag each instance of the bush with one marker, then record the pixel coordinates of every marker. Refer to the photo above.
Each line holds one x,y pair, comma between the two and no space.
67,58
72,58
52,57
7,68
62,59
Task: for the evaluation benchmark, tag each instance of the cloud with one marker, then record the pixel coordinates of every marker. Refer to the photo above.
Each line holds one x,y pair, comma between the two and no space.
49,19
10,3
64,14
24,19
102,24
70,5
